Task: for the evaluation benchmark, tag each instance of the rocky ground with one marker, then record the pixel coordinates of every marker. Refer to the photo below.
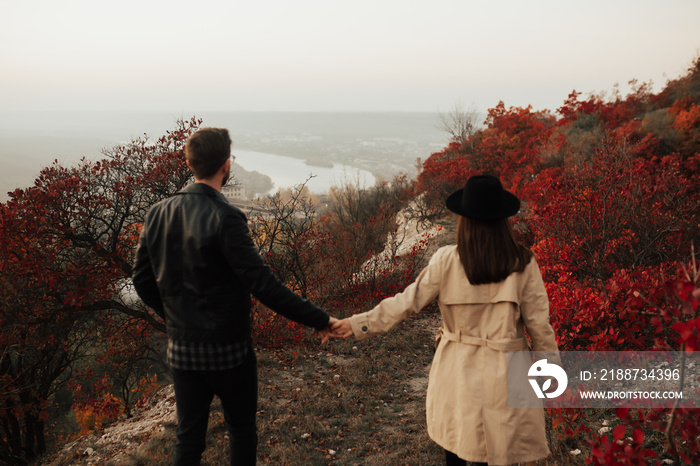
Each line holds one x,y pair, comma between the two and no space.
116,442
344,403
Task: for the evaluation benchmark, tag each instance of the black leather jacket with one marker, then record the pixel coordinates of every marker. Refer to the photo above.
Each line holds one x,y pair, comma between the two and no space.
196,266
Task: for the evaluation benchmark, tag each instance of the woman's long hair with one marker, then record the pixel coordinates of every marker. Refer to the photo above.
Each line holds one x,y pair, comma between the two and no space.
489,251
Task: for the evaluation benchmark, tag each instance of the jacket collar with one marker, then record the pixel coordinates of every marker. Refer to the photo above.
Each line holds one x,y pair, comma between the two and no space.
201,188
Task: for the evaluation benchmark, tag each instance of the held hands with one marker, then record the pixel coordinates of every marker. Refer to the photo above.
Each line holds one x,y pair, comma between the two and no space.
326,332
341,329
336,329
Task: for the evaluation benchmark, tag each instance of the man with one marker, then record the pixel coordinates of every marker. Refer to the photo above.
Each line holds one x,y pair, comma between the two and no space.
196,266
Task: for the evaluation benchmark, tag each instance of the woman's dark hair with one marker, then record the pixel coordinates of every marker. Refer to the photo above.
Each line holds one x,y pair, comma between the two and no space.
489,251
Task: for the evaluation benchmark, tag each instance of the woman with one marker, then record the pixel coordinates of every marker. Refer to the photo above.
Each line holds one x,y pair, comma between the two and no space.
489,289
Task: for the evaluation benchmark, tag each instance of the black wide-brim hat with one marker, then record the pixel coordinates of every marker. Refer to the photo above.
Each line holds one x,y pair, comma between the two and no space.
483,198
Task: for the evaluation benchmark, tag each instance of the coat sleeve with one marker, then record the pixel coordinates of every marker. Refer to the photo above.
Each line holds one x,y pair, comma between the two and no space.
144,279
534,308
391,311
245,261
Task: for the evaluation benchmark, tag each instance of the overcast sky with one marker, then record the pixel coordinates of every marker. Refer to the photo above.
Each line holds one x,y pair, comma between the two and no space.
325,55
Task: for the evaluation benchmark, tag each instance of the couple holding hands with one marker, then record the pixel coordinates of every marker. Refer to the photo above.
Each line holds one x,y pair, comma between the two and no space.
197,266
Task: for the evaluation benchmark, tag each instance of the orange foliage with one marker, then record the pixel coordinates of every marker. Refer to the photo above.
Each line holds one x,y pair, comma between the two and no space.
96,415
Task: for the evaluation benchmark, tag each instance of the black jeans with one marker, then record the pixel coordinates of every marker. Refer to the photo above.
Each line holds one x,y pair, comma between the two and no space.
453,460
237,389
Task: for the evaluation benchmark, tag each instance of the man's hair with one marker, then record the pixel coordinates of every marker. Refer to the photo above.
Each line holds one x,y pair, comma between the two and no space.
489,251
207,150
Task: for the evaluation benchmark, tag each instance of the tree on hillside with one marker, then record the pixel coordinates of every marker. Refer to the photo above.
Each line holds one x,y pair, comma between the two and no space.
285,232
66,247
443,173
41,330
614,211
460,123
510,147
363,217
362,226
333,260
685,88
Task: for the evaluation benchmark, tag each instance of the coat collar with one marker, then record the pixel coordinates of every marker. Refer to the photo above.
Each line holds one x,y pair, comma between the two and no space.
201,188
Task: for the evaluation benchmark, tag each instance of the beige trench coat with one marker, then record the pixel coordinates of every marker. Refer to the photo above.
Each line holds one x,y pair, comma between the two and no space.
467,401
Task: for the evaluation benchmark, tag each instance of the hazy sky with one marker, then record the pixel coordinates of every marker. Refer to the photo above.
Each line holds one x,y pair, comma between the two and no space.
325,55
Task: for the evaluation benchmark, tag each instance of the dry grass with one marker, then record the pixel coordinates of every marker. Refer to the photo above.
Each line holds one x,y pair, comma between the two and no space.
352,403
345,403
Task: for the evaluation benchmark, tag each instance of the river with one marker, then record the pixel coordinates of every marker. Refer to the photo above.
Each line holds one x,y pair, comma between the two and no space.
286,172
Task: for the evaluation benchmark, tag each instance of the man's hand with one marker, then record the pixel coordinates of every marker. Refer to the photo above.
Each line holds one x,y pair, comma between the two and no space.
326,332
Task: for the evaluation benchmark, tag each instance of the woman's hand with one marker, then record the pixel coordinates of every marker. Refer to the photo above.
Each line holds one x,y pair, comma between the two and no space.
341,329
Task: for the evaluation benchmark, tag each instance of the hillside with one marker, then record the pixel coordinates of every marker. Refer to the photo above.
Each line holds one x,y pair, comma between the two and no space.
344,403
611,206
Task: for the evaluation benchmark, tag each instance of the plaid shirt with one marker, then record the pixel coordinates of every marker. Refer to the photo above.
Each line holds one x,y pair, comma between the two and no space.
204,356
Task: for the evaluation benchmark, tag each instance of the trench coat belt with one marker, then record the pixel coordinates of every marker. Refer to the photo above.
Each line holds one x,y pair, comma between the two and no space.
518,344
